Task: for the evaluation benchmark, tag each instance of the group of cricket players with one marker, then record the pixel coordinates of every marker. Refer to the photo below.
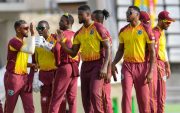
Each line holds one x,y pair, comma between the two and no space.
55,59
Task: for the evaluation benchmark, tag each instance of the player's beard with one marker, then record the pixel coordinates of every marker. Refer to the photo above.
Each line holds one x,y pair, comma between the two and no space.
25,35
165,28
82,21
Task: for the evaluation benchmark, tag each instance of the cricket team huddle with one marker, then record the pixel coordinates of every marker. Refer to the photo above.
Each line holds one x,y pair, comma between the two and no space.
55,59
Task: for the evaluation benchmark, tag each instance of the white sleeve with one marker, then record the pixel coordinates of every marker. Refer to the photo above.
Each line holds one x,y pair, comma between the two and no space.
166,56
28,45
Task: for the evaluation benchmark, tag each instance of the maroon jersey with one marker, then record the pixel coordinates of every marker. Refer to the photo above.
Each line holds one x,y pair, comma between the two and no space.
16,60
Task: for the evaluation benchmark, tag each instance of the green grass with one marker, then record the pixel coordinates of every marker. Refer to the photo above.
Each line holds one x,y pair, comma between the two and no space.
172,108
169,108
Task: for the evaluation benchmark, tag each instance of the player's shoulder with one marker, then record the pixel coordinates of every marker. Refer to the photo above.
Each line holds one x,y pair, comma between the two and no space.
124,28
146,26
156,29
68,32
14,40
77,32
97,24
157,32
148,29
100,28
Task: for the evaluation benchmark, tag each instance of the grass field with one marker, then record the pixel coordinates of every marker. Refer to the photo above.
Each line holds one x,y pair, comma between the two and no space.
169,108
172,108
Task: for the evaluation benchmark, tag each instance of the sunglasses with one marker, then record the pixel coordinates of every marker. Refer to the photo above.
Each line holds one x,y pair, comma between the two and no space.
129,12
40,28
166,21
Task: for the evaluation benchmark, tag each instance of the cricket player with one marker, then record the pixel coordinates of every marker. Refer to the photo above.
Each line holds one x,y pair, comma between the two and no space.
45,59
16,78
145,18
136,71
65,83
93,70
164,71
99,16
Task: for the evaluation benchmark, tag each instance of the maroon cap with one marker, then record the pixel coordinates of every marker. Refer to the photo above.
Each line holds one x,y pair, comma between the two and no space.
164,15
144,17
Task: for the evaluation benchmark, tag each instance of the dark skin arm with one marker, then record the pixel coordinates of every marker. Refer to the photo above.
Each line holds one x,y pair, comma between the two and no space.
103,71
168,69
118,57
71,51
108,79
149,75
33,67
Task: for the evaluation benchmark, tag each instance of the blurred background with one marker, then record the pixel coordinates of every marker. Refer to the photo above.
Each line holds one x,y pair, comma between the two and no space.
51,10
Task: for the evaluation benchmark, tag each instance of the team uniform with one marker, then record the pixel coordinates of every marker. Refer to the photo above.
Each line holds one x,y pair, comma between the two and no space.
161,59
145,18
47,69
107,86
65,83
135,66
16,78
91,86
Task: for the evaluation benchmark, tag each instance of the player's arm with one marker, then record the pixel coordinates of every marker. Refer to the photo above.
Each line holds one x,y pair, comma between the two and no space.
167,66
118,57
119,54
151,48
71,51
104,68
29,44
62,40
150,39
32,65
33,69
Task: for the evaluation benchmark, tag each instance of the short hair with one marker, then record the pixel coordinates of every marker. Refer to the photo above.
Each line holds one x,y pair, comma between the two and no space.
44,22
69,17
18,23
103,12
135,8
84,8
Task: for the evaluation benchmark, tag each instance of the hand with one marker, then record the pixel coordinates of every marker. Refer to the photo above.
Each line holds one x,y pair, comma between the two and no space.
28,87
148,77
114,71
60,36
168,72
107,79
32,28
103,72
35,66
